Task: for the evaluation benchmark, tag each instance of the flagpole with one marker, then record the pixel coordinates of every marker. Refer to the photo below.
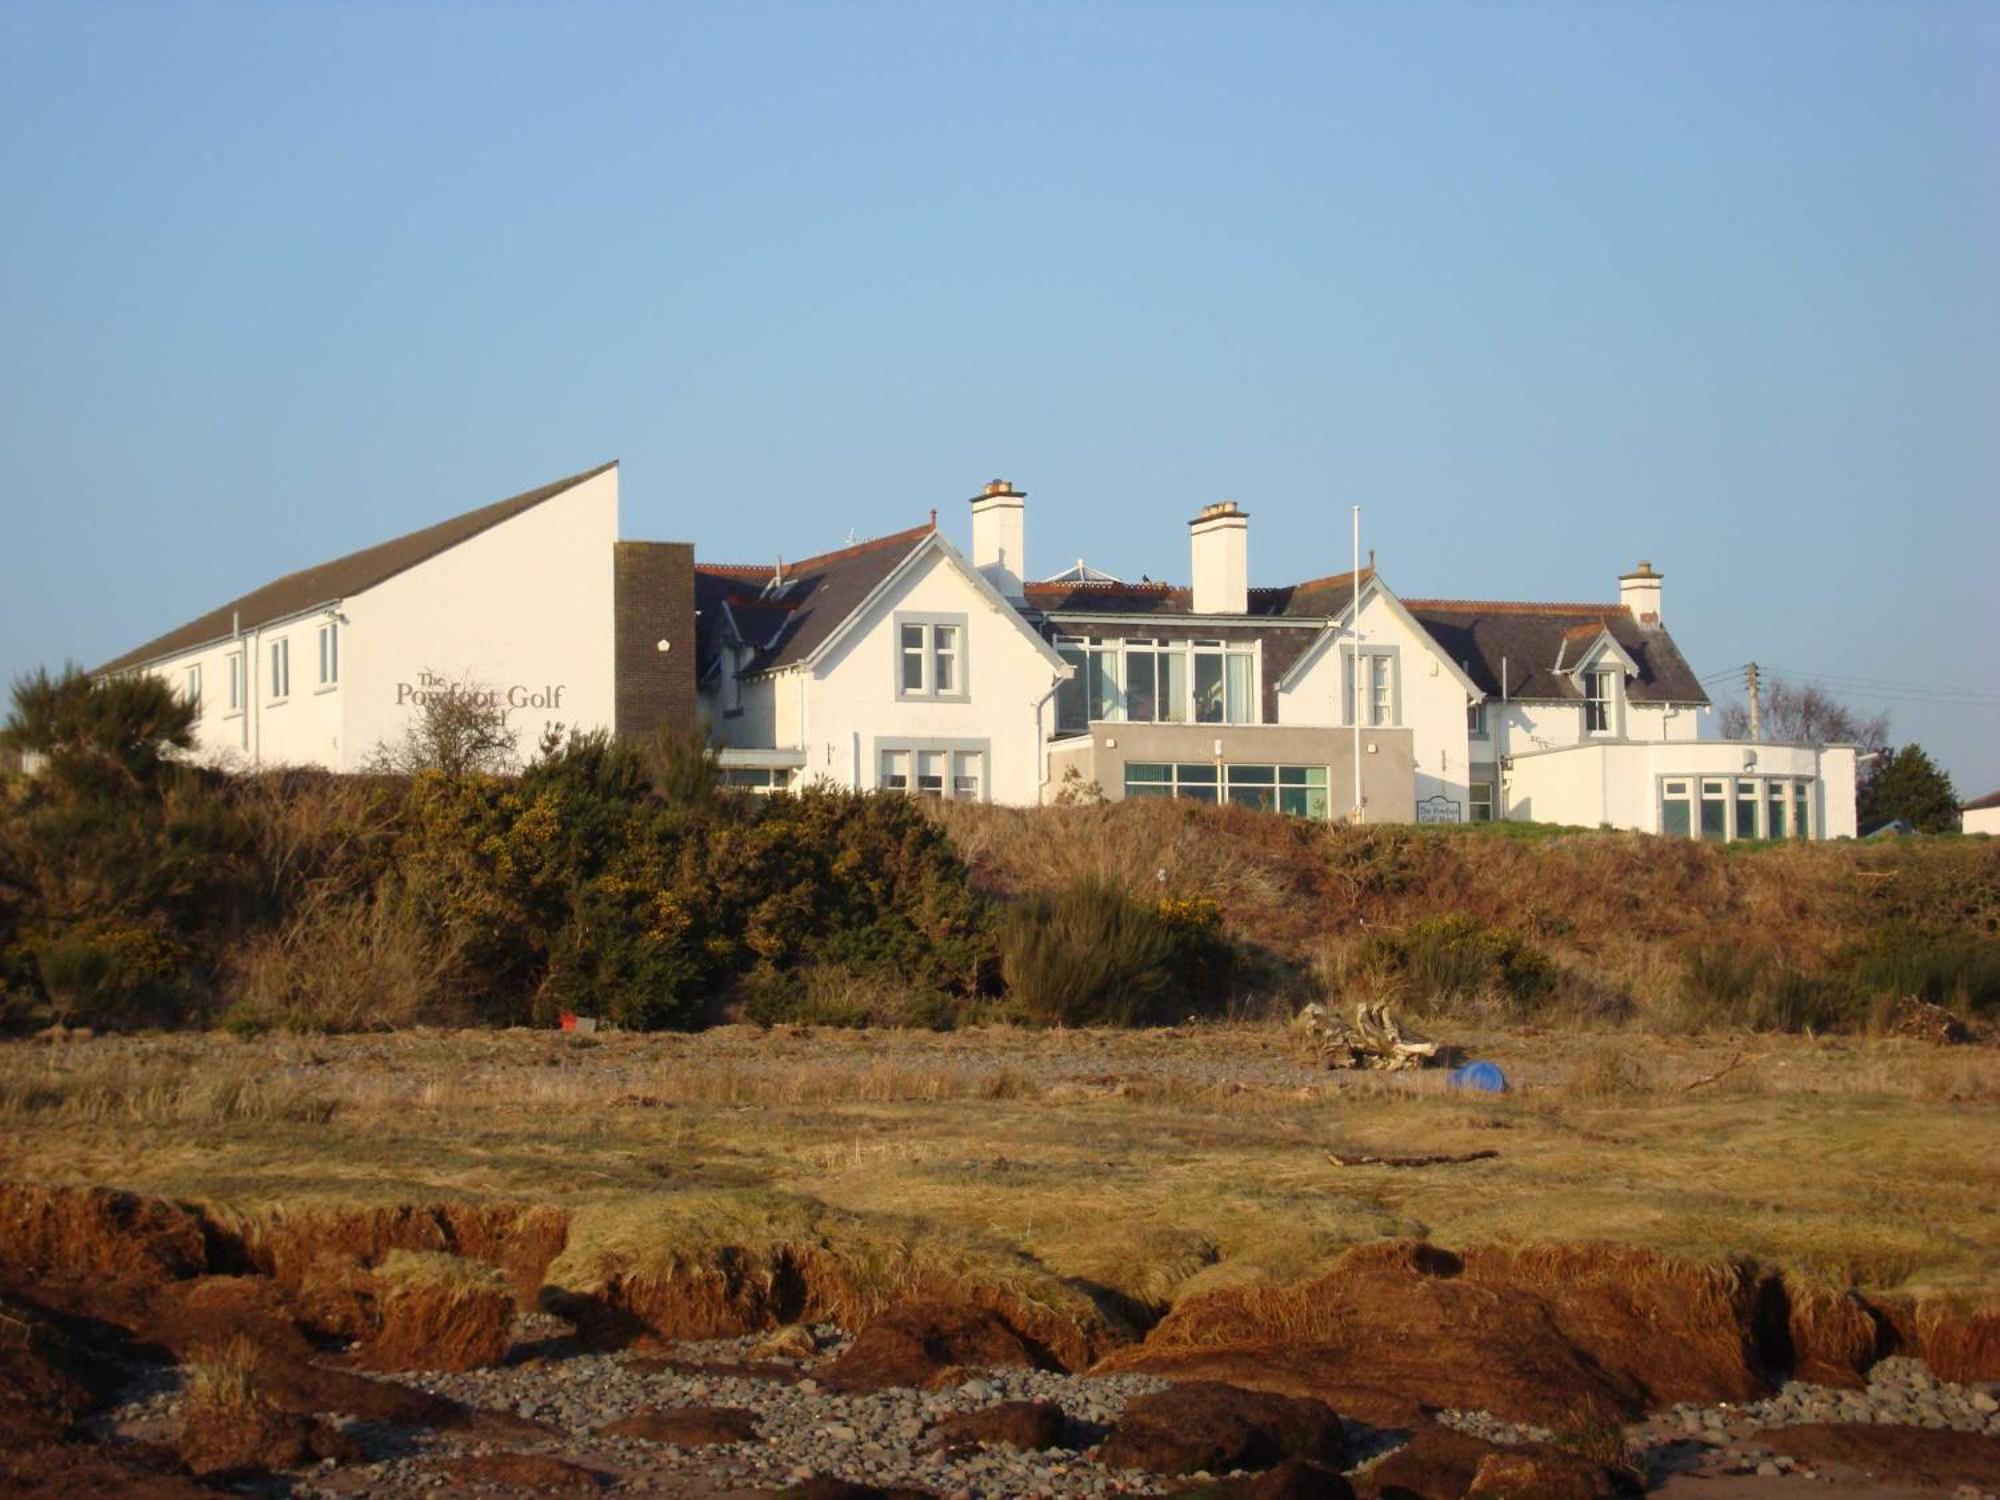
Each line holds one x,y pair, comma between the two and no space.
1360,810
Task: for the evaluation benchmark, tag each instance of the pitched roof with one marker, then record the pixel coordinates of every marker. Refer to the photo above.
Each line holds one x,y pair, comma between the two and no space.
342,578
816,595
1318,598
1978,804
1482,635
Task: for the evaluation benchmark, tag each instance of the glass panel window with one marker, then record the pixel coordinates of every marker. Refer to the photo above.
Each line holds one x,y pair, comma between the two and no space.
1302,791
1253,786
1776,794
1072,716
930,773
1198,781
1144,779
895,770
1105,703
1142,701
236,682
1480,799
1676,809
1746,810
194,688
755,780
1380,711
1209,704
1236,697
944,659
966,775
1173,674
329,654
1714,810
1801,809
1475,719
281,669
913,658
1597,701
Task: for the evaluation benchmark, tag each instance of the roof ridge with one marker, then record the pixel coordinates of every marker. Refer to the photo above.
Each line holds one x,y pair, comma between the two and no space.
818,560
1514,606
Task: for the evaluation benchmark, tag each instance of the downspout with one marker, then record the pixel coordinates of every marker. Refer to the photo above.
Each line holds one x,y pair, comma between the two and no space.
1042,743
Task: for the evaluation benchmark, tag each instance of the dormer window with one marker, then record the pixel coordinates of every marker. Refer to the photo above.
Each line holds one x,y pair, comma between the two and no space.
1600,685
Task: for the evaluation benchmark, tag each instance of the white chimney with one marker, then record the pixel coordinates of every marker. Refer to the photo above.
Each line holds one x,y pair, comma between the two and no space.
1639,591
999,536
1219,539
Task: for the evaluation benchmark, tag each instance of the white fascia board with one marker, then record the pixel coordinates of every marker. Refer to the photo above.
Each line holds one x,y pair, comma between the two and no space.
1598,648
898,575
1343,622
325,607
754,758
1060,618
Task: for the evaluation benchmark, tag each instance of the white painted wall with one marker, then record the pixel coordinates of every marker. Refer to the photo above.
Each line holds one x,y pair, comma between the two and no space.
850,700
1980,820
1618,783
525,607
1431,704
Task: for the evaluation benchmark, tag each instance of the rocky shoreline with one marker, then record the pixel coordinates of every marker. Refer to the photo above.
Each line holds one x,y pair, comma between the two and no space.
562,1406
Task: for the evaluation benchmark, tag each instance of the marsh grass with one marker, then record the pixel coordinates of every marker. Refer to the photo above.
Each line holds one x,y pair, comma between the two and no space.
222,1382
1064,1165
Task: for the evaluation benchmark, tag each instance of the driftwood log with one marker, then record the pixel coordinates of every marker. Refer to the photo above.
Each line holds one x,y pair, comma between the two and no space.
1374,1040
1409,1161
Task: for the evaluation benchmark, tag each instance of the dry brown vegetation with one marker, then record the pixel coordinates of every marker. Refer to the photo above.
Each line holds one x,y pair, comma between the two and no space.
741,1177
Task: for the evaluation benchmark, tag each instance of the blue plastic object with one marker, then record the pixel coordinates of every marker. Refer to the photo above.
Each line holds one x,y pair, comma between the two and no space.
1482,1077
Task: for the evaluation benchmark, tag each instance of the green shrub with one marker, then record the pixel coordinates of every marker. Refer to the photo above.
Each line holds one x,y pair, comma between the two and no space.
1959,969
1090,955
1451,964
1743,989
829,995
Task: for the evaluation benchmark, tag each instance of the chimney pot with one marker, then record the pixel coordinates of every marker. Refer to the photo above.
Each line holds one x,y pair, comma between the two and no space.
1639,591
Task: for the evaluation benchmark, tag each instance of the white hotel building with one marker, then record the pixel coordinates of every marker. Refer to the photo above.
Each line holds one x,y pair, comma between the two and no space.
902,663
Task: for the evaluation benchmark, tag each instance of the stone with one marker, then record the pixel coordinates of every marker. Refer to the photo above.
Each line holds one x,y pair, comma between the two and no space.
1206,1425
1031,1425
687,1426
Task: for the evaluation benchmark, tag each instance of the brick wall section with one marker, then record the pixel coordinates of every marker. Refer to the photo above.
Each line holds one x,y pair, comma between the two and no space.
653,600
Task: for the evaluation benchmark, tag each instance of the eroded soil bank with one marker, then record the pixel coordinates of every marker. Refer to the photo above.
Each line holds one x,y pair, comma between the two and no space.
272,1328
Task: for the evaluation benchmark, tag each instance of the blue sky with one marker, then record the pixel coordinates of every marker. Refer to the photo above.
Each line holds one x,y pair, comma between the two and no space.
1546,289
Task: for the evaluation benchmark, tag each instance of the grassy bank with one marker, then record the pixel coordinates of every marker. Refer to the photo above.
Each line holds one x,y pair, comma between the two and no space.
1061,1164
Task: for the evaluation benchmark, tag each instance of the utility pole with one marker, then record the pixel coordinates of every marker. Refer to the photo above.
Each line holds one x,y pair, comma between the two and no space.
1754,687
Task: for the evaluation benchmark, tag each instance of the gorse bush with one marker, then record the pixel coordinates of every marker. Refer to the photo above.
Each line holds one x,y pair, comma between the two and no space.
1090,955
1453,964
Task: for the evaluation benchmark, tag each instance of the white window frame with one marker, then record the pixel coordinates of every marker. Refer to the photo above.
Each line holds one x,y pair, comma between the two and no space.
281,670
194,694
1608,678
927,650
234,662
903,760
1475,720
1384,663
329,654
1478,794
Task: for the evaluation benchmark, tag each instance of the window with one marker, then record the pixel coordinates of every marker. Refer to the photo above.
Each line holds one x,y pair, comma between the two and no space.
1105,702
1481,802
1676,812
967,776
930,656
1801,809
1598,686
756,780
1297,790
281,669
1714,810
1775,796
194,688
236,682
895,771
1377,689
1746,810
1475,719
1072,713
329,653
935,771
1156,682
944,659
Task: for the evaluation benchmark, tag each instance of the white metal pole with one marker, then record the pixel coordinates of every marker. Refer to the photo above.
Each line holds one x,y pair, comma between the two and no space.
1360,808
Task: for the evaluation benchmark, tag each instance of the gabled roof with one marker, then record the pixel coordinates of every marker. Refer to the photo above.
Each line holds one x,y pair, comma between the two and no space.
1980,804
343,578
1318,598
1481,635
802,608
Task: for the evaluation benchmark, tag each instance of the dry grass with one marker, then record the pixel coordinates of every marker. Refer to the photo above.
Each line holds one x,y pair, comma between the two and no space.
1059,1166
222,1381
